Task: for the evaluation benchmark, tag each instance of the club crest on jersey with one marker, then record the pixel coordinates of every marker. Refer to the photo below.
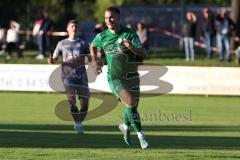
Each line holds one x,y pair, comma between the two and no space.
119,40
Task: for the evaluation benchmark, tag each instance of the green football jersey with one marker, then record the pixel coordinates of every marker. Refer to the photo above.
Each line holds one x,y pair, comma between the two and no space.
121,61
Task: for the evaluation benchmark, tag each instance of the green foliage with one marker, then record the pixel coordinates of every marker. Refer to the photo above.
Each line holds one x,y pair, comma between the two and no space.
84,10
60,11
102,5
55,8
26,11
13,10
177,1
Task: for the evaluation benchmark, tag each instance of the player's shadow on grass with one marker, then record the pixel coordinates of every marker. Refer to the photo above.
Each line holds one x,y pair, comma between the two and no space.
59,136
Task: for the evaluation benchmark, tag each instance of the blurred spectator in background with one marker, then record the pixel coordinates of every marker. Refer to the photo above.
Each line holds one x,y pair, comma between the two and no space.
142,33
12,39
129,25
99,27
36,27
2,39
224,26
208,30
189,33
237,51
40,31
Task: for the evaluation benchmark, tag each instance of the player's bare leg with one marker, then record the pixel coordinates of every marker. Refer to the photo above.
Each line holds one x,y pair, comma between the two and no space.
84,109
131,117
71,94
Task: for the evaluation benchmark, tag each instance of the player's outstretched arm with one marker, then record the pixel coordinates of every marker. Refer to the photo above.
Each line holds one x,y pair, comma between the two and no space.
93,52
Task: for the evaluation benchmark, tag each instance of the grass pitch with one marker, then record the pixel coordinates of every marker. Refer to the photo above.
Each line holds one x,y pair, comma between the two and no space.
177,127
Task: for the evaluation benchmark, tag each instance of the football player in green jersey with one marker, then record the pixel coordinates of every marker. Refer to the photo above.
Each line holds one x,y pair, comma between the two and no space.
121,46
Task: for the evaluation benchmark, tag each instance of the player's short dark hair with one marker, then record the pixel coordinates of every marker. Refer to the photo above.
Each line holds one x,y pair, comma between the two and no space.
74,21
114,10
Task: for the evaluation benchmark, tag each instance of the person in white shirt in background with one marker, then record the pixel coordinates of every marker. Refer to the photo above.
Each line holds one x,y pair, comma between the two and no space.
142,33
40,31
2,39
12,39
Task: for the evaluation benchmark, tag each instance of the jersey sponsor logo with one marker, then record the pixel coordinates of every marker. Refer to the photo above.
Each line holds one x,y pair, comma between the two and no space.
78,45
67,46
114,48
76,52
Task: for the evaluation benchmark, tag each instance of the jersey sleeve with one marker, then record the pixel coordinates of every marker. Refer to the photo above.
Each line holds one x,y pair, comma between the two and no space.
97,41
86,50
136,40
57,50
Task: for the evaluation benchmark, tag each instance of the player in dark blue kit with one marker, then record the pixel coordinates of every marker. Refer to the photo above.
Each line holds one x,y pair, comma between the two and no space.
74,51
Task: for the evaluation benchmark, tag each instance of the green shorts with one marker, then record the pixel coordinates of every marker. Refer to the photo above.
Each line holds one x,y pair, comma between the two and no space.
117,85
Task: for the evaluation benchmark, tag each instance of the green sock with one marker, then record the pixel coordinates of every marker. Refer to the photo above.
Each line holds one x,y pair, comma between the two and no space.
134,118
125,118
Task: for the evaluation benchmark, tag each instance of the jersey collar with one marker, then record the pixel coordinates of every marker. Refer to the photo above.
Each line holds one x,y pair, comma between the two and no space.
73,40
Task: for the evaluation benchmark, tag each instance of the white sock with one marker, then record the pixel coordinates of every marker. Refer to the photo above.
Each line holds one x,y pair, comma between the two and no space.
125,126
140,134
